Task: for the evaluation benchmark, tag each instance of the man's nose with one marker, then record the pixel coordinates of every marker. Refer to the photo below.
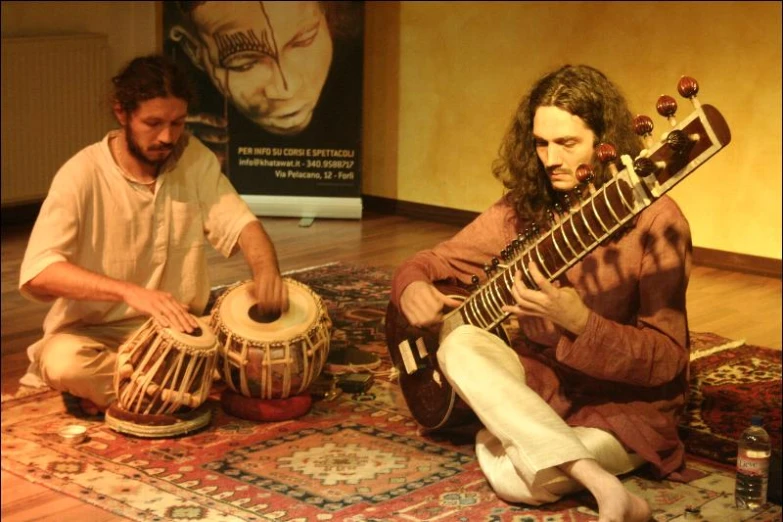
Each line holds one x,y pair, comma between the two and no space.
553,156
167,135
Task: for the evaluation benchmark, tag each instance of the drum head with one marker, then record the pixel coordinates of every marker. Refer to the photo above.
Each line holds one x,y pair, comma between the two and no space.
237,316
203,338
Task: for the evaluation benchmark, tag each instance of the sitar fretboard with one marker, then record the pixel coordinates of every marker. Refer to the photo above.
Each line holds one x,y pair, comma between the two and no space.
568,241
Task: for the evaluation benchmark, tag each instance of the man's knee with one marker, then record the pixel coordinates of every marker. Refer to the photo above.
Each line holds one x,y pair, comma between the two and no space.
56,359
456,345
471,348
64,360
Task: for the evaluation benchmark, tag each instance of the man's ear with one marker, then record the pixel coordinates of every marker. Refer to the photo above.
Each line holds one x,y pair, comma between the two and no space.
190,45
120,114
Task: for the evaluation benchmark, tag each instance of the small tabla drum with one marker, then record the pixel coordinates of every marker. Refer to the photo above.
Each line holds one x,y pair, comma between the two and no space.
268,363
162,379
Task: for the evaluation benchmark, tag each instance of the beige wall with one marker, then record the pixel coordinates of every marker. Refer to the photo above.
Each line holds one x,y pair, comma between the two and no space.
132,27
437,108
442,79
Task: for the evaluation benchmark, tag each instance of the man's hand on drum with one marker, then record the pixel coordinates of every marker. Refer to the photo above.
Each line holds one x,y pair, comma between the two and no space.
271,293
162,306
423,304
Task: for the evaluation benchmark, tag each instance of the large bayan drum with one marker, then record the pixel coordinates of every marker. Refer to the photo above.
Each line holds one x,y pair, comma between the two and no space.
162,379
269,362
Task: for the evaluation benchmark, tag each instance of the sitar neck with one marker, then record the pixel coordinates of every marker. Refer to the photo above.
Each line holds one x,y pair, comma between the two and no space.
575,234
598,217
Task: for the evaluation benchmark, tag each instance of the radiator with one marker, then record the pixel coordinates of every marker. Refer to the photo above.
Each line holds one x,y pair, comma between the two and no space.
54,103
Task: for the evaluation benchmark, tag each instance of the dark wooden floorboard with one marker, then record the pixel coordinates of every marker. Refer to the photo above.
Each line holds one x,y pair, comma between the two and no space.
734,305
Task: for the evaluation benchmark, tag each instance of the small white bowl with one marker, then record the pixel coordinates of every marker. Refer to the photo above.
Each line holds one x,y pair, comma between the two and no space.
73,434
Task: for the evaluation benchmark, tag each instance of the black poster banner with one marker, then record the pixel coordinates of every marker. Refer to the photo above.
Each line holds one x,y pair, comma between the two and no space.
279,92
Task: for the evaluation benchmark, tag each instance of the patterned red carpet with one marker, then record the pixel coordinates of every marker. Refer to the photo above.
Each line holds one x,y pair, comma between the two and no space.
730,382
355,458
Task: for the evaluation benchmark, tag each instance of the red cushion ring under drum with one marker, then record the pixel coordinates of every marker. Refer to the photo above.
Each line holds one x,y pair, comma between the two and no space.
265,410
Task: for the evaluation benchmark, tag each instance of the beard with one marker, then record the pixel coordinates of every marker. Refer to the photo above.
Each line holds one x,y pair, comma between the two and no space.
137,152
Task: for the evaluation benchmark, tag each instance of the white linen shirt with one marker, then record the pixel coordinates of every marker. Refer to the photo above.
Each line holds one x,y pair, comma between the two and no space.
99,219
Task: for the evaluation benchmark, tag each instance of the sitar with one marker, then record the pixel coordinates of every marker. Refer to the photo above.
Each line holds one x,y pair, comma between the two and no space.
592,221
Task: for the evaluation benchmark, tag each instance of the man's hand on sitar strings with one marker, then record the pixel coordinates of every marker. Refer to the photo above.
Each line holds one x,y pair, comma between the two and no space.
423,304
561,306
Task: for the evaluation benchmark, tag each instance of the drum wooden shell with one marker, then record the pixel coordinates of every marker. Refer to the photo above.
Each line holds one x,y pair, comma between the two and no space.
276,359
162,371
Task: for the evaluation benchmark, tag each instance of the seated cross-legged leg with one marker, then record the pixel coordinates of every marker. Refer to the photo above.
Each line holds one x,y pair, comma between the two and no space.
81,361
525,442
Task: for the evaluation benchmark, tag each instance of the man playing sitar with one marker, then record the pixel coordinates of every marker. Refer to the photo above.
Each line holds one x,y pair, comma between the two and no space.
592,384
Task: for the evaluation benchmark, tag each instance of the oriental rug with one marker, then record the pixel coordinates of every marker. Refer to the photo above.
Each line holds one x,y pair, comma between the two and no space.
357,458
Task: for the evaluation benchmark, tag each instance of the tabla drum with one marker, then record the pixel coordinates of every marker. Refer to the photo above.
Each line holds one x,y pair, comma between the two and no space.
162,379
269,363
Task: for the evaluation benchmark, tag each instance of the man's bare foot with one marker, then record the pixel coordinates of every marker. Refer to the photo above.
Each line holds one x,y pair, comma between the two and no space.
90,408
617,504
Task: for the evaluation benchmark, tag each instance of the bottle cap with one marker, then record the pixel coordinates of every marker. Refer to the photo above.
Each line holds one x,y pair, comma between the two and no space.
756,420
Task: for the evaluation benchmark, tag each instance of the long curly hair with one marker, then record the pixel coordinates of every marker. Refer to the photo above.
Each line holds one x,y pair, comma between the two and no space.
582,91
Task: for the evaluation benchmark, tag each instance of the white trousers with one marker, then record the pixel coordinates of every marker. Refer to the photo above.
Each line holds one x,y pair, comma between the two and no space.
524,439
81,360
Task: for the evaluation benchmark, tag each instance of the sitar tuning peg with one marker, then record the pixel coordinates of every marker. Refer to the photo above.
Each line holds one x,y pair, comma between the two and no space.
474,281
643,126
586,175
567,202
667,107
688,88
680,142
607,154
647,167
677,140
534,229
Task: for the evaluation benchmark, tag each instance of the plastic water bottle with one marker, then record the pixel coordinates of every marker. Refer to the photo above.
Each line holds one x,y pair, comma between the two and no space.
752,466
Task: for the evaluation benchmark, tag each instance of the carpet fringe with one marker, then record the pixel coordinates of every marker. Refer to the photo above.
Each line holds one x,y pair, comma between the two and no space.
723,347
299,270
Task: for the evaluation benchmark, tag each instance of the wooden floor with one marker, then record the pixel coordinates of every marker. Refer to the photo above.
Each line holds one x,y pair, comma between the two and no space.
734,305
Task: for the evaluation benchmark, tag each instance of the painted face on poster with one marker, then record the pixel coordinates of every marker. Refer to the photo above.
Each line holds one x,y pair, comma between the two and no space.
281,81
269,59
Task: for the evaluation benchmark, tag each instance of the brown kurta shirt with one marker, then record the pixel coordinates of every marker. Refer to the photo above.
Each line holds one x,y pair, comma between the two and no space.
627,373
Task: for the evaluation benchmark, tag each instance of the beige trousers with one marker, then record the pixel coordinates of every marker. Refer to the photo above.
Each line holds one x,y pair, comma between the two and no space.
523,441
81,360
